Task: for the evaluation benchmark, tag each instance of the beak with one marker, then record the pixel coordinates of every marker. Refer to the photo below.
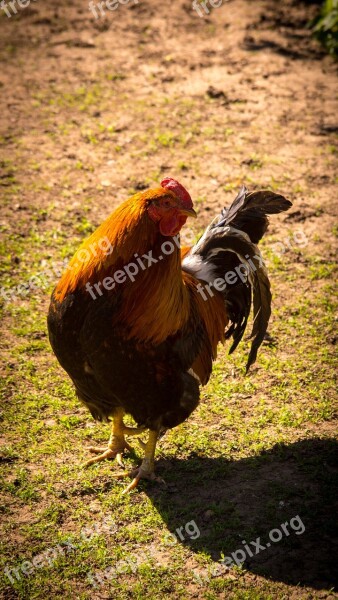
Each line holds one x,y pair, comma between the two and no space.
189,212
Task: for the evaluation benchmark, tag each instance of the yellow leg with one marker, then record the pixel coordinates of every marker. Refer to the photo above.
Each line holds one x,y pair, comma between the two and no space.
117,442
146,470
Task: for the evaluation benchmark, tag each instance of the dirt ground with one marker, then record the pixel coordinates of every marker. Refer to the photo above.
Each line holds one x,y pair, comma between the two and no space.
93,109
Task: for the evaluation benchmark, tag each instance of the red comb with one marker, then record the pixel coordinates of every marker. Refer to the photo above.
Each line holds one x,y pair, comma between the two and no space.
171,184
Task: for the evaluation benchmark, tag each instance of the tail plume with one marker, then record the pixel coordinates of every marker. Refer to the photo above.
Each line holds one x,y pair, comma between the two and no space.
228,250
249,211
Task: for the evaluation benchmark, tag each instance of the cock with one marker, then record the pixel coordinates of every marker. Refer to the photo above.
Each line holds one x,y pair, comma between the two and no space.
135,322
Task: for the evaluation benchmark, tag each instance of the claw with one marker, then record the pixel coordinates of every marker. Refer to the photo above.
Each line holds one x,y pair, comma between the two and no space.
119,460
95,450
142,444
103,453
121,474
131,486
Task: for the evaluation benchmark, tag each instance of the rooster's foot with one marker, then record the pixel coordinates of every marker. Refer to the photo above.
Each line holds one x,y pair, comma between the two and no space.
137,474
117,443
146,469
108,452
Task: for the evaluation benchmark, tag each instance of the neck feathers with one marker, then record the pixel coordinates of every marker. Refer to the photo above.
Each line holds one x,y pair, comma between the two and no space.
113,243
155,302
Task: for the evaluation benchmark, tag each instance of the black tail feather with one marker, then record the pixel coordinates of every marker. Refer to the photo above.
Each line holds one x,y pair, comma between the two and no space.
248,212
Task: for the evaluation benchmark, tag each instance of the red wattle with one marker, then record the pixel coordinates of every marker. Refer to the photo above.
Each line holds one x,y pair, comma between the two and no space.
172,225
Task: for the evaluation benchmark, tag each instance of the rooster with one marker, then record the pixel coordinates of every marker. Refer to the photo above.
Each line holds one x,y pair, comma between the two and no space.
135,322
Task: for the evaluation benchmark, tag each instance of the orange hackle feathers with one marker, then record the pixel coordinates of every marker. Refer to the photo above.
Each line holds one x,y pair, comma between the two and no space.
156,304
121,229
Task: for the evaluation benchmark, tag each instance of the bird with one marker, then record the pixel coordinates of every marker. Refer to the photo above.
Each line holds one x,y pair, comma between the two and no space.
136,318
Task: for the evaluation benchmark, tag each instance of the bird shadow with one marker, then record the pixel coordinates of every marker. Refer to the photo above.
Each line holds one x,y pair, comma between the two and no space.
215,505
